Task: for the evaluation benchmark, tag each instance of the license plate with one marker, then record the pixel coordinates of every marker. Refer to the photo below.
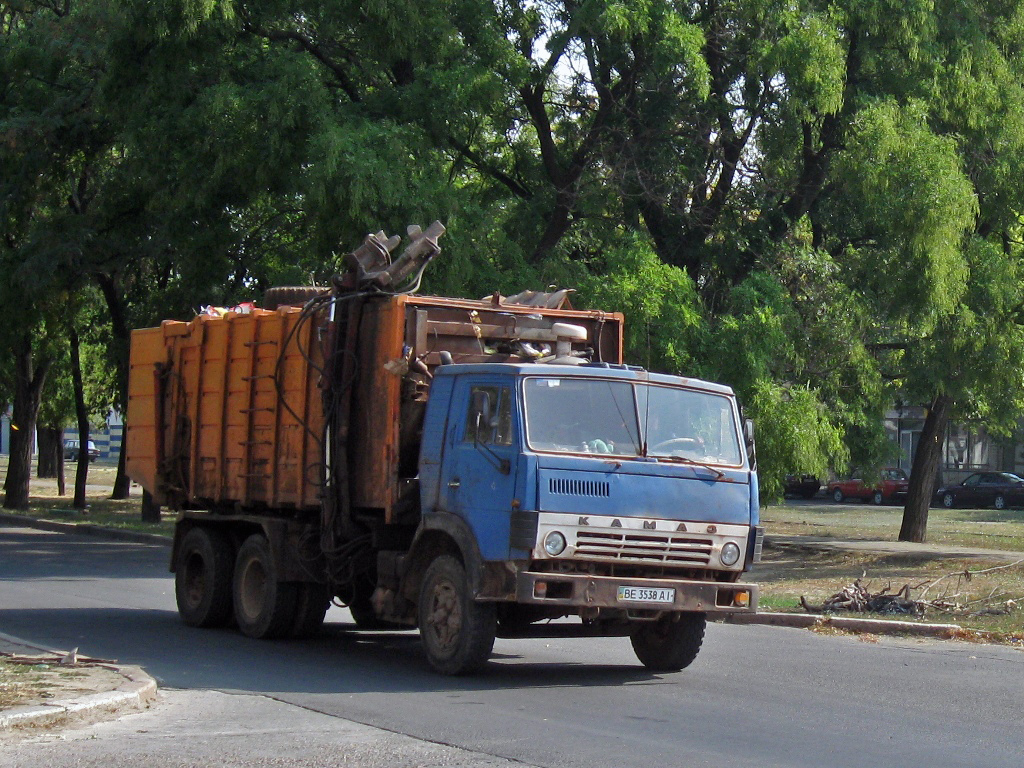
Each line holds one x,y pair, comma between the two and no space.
646,595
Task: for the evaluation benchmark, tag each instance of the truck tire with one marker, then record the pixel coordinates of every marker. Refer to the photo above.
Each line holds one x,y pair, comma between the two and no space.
457,632
311,604
290,296
264,607
202,578
667,645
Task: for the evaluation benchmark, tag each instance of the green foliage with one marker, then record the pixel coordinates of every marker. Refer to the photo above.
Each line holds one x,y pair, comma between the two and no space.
818,204
810,57
976,354
752,340
905,208
794,435
663,315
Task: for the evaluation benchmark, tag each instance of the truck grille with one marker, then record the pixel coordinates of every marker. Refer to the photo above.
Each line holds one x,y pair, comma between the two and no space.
634,546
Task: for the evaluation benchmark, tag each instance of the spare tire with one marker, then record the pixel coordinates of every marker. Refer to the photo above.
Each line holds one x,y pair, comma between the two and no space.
291,295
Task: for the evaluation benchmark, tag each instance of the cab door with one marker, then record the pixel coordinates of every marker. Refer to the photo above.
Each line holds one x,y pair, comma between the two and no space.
478,475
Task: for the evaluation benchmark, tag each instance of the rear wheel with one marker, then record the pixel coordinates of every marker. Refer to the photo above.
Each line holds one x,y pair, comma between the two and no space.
457,632
878,497
202,578
837,495
671,643
264,606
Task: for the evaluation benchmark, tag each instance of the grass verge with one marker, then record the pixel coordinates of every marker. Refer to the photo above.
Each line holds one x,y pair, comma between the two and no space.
984,596
984,528
19,684
46,503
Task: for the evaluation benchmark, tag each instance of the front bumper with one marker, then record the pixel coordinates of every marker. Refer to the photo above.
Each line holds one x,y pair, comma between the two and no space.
585,591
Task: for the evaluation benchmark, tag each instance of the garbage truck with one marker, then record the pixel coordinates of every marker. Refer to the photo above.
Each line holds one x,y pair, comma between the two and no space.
471,468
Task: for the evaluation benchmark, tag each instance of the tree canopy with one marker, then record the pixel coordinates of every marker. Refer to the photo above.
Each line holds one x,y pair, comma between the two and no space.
813,202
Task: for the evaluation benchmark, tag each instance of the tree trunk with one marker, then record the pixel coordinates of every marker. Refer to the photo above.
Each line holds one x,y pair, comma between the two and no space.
82,470
50,444
925,470
28,389
150,509
122,340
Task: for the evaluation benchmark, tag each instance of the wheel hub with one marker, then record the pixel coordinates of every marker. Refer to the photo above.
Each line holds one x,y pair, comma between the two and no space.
445,615
195,580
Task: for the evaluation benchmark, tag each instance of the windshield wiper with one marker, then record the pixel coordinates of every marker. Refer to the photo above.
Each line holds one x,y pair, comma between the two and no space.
719,474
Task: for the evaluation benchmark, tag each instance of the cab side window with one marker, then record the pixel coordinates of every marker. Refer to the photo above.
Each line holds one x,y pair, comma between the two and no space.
489,419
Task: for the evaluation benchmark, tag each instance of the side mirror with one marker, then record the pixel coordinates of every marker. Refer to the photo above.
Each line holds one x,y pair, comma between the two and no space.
482,415
484,426
748,437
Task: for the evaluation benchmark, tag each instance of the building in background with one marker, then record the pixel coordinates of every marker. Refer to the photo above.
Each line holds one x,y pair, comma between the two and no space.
107,438
966,449
5,431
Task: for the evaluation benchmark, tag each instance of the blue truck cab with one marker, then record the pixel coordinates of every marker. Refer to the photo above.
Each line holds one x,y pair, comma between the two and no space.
604,493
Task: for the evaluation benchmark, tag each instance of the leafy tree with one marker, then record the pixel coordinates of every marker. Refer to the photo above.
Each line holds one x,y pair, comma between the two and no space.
809,201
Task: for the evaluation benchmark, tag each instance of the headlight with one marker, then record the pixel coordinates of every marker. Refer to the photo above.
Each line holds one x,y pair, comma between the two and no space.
730,553
554,543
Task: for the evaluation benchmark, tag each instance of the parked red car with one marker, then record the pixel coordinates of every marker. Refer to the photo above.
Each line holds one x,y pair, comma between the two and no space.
892,487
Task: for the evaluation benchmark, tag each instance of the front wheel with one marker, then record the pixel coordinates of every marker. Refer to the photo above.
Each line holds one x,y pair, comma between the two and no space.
837,495
878,497
457,632
671,643
999,502
948,500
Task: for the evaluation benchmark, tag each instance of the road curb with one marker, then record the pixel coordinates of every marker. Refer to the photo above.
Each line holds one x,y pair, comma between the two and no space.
138,690
86,529
848,623
136,693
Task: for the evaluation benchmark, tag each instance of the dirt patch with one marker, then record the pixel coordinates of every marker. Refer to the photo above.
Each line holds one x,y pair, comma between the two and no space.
38,680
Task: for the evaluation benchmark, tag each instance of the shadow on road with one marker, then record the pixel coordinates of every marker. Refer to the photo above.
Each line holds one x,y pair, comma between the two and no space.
36,554
338,660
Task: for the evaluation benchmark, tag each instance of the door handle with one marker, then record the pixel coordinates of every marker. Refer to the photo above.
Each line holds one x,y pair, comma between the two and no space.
454,483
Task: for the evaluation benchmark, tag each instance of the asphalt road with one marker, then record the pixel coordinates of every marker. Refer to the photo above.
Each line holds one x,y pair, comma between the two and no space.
755,696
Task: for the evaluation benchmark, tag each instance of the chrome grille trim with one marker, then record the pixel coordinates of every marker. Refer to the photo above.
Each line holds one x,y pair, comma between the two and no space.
634,546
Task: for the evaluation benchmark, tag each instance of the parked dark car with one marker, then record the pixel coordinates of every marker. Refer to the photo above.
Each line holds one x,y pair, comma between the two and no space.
984,489
71,449
892,487
802,485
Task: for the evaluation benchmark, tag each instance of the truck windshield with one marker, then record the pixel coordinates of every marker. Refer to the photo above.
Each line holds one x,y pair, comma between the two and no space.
619,418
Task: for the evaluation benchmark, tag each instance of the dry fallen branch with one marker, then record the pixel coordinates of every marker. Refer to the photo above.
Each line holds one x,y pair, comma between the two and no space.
967,575
857,597
71,659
